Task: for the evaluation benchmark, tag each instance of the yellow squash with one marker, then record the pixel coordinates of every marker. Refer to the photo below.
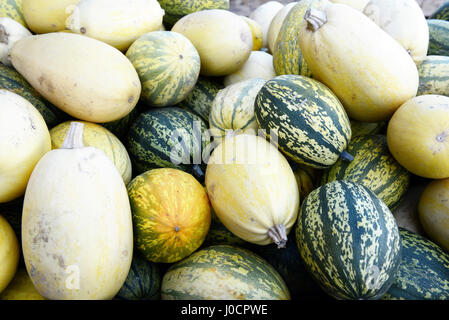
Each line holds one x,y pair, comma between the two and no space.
418,136
366,68
24,139
276,24
21,288
256,31
9,253
84,77
252,189
263,15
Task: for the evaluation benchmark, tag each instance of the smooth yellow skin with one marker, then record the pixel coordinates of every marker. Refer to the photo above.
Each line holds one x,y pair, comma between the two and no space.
418,136
43,16
24,139
223,39
115,22
256,31
404,20
251,187
366,68
355,4
21,288
276,24
433,211
9,253
258,65
263,15
84,77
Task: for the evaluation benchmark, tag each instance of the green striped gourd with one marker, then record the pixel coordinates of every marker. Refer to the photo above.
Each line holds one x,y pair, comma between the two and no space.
308,120
200,99
434,76
349,241
121,126
438,37
360,128
156,133
11,80
287,56
442,12
13,10
168,66
423,273
373,167
143,281
223,272
233,108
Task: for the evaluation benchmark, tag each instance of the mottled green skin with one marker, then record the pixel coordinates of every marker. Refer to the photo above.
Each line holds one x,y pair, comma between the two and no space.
152,136
438,37
236,273
423,273
434,76
184,7
373,167
11,80
143,281
349,241
121,126
359,128
200,99
442,12
310,122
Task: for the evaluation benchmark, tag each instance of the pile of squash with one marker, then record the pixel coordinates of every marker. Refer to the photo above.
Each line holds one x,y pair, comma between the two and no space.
177,150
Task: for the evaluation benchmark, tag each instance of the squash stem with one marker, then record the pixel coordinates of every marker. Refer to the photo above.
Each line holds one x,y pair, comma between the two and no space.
279,235
74,136
315,19
346,156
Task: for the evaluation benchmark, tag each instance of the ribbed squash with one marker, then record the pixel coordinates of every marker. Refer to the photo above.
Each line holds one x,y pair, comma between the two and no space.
252,189
13,10
96,136
98,85
404,20
168,66
434,76
287,55
171,214
438,37
423,273
366,68
263,15
276,25
11,31
349,241
233,109
21,288
360,128
257,33
434,212
442,13
418,136
306,118
9,253
223,273
356,4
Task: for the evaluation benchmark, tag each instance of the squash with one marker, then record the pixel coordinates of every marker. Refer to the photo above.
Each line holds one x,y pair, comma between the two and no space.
44,16
9,253
13,10
10,32
24,140
349,241
442,13
438,37
360,128
256,31
258,65
366,68
276,24
223,272
96,136
308,179
220,55
115,22
171,214
84,77
77,235
252,189
434,76
233,109
418,136
305,119
355,4
404,20
168,66
21,288
434,212
121,126
263,15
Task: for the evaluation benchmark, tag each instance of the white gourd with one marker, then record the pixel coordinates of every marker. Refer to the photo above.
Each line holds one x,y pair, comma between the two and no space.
10,32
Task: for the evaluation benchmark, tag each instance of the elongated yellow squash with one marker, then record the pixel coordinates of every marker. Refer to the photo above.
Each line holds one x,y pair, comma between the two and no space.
77,236
258,65
263,15
84,77
256,31
252,189
9,253
366,68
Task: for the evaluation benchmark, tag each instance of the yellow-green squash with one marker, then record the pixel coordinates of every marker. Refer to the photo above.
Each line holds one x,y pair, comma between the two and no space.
9,253
434,76
13,10
276,25
257,33
21,288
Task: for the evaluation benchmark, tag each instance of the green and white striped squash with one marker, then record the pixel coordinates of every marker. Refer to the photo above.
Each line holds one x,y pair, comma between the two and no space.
360,128
287,56
373,167
438,37
349,241
308,120
233,109
442,13
434,76
168,66
423,273
121,126
223,272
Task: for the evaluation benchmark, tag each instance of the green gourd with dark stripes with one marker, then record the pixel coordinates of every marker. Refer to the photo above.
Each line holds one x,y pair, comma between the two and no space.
434,76
438,37
442,12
